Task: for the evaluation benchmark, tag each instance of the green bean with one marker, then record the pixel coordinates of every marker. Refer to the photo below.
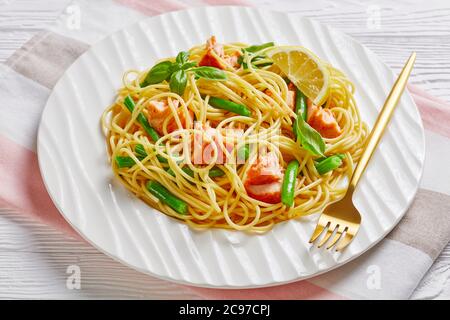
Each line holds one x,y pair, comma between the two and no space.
161,159
328,164
243,153
229,106
129,103
300,104
140,151
124,162
159,191
260,47
213,172
287,189
186,170
300,107
141,154
256,62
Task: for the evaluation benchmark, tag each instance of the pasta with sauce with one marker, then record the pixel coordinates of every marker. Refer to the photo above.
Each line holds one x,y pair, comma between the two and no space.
222,136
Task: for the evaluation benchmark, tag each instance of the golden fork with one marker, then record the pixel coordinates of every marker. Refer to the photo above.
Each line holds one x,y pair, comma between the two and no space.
342,218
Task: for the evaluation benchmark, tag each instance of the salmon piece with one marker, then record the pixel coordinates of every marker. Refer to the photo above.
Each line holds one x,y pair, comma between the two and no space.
265,169
290,98
209,59
122,120
123,123
232,60
204,150
211,44
159,110
323,121
269,193
264,179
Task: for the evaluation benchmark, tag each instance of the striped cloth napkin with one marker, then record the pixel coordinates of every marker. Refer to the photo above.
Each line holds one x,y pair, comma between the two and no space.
391,270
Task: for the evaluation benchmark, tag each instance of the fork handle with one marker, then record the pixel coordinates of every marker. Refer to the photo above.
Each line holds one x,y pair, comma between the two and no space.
382,121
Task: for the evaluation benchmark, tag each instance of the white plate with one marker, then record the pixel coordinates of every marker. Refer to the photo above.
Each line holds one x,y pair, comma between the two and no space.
73,159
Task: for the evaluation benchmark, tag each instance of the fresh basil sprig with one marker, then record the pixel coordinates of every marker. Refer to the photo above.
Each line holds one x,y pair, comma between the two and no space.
309,138
176,73
165,69
209,73
178,82
188,65
173,68
182,57
160,72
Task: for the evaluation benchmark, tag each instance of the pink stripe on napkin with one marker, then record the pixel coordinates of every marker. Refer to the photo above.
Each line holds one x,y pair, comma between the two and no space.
225,2
152,8
435,113
22,187
301,290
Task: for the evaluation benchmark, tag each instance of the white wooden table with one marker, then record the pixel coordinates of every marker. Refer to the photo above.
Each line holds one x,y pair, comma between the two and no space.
34,258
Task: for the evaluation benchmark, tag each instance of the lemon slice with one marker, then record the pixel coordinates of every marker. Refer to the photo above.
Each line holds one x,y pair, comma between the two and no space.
304,69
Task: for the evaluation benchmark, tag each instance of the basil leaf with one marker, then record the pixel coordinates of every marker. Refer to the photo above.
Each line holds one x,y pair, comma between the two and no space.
173,68
178,82
182,57
157,74
309,138
259,47
189,65
210,73
329,164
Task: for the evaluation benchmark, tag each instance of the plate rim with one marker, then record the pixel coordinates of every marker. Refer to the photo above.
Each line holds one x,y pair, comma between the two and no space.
272,283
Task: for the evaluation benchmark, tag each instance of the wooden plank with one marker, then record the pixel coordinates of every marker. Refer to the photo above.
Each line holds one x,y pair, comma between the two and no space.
34,261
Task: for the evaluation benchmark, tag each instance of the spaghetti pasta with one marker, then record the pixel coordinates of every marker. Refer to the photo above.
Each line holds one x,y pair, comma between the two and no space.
224,121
